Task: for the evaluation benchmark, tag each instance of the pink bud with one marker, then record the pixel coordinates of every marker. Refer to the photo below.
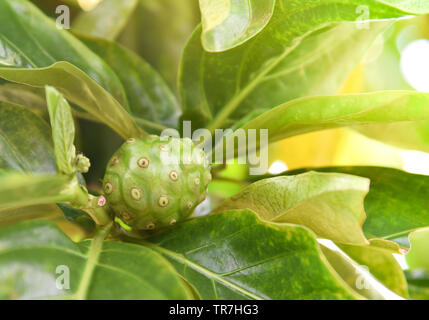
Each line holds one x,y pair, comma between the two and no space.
101,201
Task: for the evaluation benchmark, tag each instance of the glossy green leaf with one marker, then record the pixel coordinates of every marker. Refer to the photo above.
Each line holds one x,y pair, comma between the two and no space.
317,113
222,86
234,255
25,141
29,39
36,258
79,88
381,264
360,277
150,99
229,23
19,189
418,256
329,204
396,203
406,135
105,21
26,96
34,51
63,130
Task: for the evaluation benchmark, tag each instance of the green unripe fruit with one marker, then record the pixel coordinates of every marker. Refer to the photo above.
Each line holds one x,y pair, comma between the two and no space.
153,183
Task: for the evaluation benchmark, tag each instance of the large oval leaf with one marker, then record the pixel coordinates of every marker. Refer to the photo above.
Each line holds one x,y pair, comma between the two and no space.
29,39
234,255
150,99
396,203
36,257
317,113
329,204
34,51
25,141
222,86
229,23
79,88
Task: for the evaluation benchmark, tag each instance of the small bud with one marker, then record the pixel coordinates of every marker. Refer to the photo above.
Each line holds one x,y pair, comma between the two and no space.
82,163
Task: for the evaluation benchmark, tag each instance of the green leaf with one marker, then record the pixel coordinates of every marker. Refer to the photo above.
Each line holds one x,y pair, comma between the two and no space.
25,141
329,204
396,203
79,88
217,87
29,97
37,53
317,113
229,23
381,264
234,255
358,277
417,257
29,39
63,130
150,99
19,189
418,283
35,257
167,25
105,21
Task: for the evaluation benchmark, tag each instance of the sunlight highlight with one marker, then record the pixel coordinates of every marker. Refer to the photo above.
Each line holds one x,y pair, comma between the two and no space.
416,162
88,5
277,167
415,64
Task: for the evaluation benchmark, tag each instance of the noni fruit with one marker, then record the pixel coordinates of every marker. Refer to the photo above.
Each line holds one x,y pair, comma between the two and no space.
155,182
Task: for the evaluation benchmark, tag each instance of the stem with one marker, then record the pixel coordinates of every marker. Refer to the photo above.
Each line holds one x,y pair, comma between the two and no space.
93,255
97,213
89,203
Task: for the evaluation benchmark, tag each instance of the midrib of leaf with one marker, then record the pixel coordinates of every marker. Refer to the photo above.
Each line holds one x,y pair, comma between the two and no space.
93,255
213,276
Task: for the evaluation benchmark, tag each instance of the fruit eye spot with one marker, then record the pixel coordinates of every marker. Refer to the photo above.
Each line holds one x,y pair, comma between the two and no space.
197,181
108,188
150,226
136,193
189,204
131,140
172,222
115,160
174,175
126,216
163,201
143,162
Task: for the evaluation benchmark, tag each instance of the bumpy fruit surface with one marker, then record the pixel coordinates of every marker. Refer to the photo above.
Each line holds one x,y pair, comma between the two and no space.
150,183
